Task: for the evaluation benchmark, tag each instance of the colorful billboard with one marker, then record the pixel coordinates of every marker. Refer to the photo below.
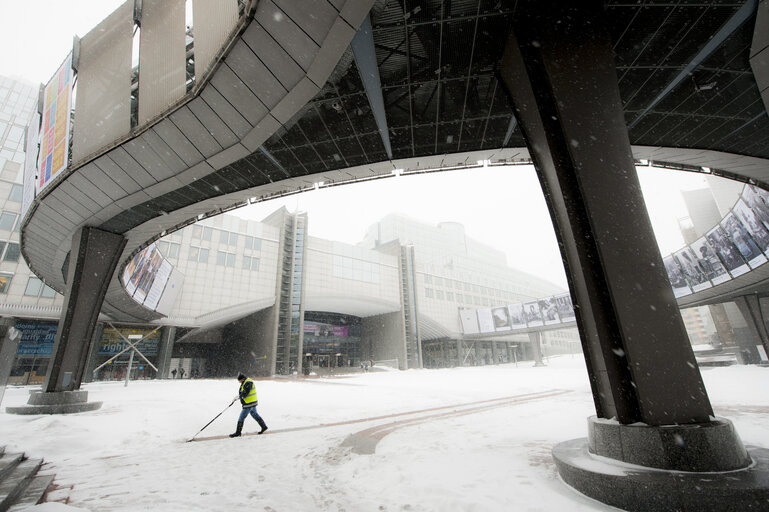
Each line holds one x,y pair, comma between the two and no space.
55,127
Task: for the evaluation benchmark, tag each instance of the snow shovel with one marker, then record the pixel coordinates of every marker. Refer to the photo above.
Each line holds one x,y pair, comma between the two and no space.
207,424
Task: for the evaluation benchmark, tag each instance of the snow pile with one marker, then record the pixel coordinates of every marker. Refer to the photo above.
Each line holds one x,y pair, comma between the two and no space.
461,446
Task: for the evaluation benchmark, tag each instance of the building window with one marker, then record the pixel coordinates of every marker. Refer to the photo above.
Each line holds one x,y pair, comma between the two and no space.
197,232
207,233
16,192
34,285
428,279
5,281
173,250
7,220
253,243
12,252
48,292
162,247
194,253
450,296
250,263
224,237
439,294
429,292
226,259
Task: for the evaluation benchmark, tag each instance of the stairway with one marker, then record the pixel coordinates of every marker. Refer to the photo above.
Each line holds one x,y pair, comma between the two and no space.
19,485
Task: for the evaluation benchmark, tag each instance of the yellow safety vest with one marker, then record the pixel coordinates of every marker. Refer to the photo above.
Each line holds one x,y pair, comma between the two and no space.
251,396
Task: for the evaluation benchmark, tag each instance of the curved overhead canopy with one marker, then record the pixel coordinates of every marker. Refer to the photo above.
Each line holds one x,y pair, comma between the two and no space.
287,106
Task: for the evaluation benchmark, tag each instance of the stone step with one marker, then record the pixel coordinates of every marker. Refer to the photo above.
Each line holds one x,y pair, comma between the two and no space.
34,492
8,463
14,484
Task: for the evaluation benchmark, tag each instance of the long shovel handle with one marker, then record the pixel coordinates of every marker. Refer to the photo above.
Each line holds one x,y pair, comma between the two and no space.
207,424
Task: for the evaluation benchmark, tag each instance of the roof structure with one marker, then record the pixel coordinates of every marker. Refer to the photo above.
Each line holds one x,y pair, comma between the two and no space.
348,91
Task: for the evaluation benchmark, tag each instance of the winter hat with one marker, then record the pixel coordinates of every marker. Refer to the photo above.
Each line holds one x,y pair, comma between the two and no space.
241,376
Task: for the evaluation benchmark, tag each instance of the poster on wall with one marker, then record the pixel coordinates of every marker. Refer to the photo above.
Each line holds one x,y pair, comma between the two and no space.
501,318
469,321
485,320
36,339
755,200
158,285
709,262
533,314
565,307
30,163
549,311
676,277
517,318
755,227
696,277
55,127
727,252
743,241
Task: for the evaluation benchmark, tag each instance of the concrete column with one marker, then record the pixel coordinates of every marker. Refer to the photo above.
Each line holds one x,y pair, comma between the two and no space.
559,70
563,84
750,308
535,337
167,338
93,353
92,262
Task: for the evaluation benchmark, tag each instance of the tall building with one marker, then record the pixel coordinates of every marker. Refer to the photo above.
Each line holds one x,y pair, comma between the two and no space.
25,300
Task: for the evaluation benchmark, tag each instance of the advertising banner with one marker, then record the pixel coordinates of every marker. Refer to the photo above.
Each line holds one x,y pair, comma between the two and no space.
754,198
755,228
517,317
696,277
549,311
565,307
112,343
501,318
321,330
55,128
36,338
533,314
469,321
485,320
676,277
743,241
726,251
709,262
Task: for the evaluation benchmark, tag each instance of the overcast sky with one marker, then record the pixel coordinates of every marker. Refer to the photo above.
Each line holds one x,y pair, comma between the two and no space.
503,208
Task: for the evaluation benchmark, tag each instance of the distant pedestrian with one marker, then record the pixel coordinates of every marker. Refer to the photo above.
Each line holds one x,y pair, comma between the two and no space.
247,396
181,373
173,373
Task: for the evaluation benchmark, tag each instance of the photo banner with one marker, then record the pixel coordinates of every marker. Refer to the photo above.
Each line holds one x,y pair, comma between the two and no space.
55,127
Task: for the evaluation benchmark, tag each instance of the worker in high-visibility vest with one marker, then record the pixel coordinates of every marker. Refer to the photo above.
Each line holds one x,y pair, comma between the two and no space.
247,396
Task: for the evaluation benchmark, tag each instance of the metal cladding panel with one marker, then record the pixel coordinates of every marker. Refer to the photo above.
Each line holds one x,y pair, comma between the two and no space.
117,175
162,56
229,114
88,189
273,55
255,75
315,17
101,181
123,158
213,123
227,83
214,20
175,139
170,158
140,150
70,188
194,130
74,214
288,34
103,113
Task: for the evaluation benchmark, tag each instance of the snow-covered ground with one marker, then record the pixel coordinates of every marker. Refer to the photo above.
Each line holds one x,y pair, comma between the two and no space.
479,454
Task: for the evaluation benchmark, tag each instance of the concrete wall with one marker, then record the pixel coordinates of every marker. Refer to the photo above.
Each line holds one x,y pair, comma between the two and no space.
382,337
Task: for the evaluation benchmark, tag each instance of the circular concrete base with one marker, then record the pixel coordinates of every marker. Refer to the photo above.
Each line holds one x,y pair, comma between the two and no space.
643,489
59,402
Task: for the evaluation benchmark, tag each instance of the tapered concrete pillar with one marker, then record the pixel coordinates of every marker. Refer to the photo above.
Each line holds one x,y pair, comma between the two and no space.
558,69
535,338
95,254
755,352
